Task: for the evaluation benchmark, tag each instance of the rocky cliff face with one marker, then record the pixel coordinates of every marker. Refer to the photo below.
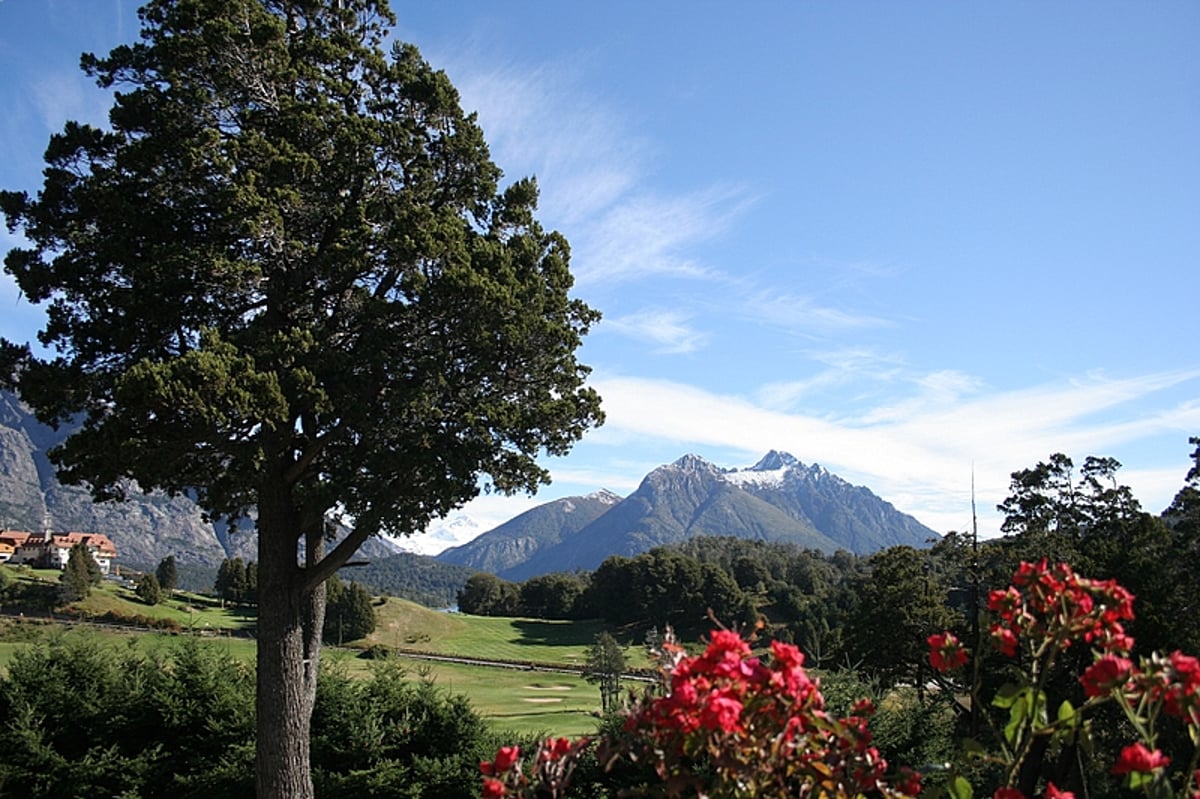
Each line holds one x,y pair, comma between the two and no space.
145,529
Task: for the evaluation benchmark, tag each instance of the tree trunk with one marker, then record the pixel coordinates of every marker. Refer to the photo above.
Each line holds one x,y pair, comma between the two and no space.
288,657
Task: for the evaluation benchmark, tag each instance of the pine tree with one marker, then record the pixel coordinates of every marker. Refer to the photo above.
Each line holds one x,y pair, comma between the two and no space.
349,614
167,574
148,589
80,574
231,580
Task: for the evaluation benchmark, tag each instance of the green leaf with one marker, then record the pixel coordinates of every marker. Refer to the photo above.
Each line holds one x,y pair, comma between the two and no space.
1008,693
970,746
1017,714
1067,714
959,788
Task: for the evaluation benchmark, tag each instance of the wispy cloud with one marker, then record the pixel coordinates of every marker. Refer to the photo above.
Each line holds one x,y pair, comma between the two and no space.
798,312
667,331
538,123
918,454
594,172
60,95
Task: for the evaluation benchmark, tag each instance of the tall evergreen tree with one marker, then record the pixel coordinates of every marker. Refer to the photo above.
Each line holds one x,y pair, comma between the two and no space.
80,573
167,573
230,584
286,278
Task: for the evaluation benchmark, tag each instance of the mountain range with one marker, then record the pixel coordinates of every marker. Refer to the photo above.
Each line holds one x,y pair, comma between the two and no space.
777,499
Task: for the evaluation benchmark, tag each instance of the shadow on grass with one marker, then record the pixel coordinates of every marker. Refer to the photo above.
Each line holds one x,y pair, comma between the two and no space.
547,633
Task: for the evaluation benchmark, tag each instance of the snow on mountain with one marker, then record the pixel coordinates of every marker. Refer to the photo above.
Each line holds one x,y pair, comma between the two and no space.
771,470
441,535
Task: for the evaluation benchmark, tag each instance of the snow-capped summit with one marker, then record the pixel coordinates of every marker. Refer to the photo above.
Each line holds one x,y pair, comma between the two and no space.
774,461
441,535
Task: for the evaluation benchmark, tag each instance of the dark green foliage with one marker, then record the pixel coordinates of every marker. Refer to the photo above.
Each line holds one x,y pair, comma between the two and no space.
285,278
899,606
487,595
148,589
80,574
414,577
231,584
551,596
909,730
349,615
167,574
395,736
83,718
663,587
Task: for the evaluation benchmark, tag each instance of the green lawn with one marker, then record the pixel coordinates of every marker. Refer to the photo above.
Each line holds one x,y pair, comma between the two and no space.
405,625
520,700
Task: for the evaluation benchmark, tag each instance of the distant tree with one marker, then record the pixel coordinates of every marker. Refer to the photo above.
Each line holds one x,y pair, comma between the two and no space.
349,614
148,589
487,595
167,573
80,574
550,596
251,595
605,665
665,586
231,580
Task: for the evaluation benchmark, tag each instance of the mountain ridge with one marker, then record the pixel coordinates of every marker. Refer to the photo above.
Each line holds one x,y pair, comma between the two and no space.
777,499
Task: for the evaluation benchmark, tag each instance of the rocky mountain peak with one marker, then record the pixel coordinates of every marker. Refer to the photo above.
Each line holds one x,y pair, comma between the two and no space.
694,463
774,461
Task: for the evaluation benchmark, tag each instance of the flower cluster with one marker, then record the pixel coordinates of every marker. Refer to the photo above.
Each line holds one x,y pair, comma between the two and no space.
728,723
946,652
1054,606
552,764
1049,608
759,726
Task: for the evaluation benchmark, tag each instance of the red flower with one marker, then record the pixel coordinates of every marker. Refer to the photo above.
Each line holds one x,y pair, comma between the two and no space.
1052,792
908,782
1106,674
722,712
1008,793
493,788
946,652
1005,640
727,641
1137,757
506,758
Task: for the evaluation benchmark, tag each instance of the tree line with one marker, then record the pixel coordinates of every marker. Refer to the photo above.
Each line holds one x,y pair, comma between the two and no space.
874,612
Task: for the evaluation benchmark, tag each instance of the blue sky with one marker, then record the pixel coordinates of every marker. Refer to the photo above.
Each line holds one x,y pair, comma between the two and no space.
902,240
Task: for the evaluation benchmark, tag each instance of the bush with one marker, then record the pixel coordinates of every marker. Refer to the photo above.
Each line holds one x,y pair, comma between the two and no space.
84,718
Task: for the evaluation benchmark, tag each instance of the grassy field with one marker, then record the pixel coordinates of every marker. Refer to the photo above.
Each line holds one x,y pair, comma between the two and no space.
404,625
520,699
